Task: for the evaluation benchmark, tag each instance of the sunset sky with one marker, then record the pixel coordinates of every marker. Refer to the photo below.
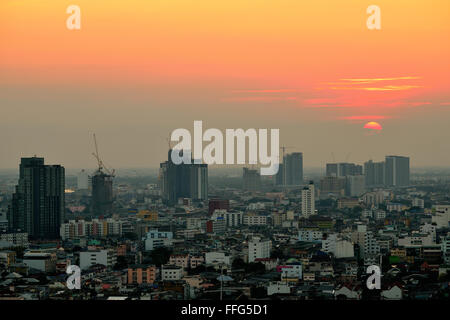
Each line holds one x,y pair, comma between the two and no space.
139,69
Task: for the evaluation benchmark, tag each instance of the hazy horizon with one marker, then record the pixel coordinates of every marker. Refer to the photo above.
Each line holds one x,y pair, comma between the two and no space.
135,73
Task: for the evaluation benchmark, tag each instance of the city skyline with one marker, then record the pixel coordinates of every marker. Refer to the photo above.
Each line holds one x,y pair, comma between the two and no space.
135,74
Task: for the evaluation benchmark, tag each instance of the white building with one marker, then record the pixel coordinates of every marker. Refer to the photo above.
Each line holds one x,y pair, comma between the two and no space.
256,206
367,213
156,239
338,247
441,216
258,248
169,272
106,257
75,229
291,272
278,288
445,248
310,235
43,261
308,201
417,202
255,220
416,239
380,214
18,239
217,258
429,229
232,219
193,223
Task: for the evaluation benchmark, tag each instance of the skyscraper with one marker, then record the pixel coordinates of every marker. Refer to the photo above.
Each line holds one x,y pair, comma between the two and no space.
397,171
308,200
290,172
343,169
102,193
374,173
293,165
279,178
331,170
183,181
251,179
38,203
355,185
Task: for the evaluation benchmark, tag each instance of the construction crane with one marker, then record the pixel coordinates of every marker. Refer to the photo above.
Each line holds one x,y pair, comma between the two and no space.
284,150
100,163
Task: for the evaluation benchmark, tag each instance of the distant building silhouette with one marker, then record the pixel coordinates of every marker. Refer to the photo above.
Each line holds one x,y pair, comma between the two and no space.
397,171
251,179
308,200
37,205
343,169
183,181
290,172
102,193
374,173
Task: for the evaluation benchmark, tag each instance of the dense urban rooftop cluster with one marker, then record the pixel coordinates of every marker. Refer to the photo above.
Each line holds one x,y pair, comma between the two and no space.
289,237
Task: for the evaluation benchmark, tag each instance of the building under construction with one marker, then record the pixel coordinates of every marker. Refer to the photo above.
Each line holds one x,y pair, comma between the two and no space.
102,187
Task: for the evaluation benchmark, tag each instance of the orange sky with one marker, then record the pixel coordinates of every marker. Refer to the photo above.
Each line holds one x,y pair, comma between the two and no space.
286,60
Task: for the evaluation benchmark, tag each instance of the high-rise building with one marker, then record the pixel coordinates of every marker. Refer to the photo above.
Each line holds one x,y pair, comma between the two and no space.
279,177
374,173
397,171
38,202
251,179
102,193
308,200
82,180
332,185
355,185
343,169
293,169
258,248
183,181
290,172
331,169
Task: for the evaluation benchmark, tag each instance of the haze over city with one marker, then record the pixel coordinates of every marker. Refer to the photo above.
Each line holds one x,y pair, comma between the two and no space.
135,73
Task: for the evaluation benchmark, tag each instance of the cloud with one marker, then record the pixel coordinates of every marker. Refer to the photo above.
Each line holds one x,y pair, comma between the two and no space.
364,117
372,80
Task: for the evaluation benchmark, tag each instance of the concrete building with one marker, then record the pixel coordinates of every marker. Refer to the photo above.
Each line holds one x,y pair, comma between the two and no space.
255,220
397,171
42,261
218,258
258,248
172,273
308,200
106,257
156,239
139,274
441,216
